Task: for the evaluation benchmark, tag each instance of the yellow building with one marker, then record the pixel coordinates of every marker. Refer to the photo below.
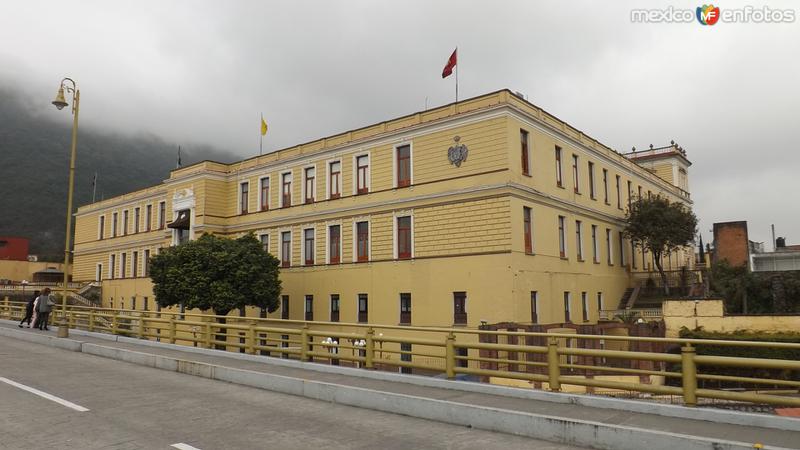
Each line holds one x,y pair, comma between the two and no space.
487,210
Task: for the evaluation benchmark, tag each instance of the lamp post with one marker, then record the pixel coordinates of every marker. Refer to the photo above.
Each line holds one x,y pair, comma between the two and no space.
60,103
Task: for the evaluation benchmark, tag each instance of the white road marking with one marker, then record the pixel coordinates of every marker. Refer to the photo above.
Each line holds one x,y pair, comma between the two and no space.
182,446
60,401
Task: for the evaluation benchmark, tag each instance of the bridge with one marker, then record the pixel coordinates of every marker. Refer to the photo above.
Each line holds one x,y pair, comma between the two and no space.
147,393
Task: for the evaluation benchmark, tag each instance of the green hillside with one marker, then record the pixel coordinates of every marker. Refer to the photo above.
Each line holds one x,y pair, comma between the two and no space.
34,157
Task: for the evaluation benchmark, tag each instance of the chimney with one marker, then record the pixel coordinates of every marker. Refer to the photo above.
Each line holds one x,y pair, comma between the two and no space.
780,242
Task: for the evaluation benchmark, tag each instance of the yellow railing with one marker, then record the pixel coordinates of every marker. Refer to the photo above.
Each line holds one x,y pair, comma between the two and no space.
453,351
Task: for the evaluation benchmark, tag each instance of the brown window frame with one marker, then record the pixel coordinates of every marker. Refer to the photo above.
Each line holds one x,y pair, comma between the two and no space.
309,307
125,222
334,244
148,217
102,225
264,239
404,237
309,252
562,236
335,303
567,307
112,266
579,240
137,217
592,190
405,308
334,181
310,181
460,308
146,263
362,237
244,197
559,173
362,171
585,306
264,193
162,215
362,306
527,227
523,138
285,307
605,186
135,264
534,307
403,163
575,174
286,190
619,193
286,249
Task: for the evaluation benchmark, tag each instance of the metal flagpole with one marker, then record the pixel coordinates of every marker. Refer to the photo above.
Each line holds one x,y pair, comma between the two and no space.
456,75
260,135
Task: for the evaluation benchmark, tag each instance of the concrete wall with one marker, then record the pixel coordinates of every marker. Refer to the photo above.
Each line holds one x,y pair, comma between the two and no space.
710,315
731,243
24,270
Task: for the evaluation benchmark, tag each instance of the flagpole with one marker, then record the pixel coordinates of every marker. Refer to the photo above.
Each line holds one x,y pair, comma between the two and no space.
456,78
260,136
94,187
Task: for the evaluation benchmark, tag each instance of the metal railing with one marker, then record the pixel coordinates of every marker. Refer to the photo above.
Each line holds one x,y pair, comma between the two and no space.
647,314
480,353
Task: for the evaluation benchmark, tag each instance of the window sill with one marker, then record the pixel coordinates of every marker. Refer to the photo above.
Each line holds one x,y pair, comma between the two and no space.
564,258
527,175
581,260
560,186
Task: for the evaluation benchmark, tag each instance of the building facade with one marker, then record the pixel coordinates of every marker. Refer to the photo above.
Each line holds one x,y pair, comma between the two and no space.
490,210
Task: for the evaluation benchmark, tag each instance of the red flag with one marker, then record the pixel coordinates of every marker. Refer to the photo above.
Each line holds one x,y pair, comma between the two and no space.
448,69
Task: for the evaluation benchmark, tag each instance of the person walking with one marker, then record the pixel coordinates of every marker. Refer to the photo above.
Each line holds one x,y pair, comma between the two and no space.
29,310
45,305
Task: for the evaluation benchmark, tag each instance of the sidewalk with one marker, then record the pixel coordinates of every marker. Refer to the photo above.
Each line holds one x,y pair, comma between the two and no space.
572,419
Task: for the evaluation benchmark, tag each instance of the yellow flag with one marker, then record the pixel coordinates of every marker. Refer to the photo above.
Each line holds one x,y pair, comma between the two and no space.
263,127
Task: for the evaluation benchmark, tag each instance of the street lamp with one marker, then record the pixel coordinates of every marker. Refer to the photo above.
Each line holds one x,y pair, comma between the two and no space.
60,103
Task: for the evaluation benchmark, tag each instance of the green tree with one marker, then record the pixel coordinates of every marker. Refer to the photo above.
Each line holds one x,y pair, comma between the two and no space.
661,227
215,273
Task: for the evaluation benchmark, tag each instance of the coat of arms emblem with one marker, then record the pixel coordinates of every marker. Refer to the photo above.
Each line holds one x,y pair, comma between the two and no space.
457,153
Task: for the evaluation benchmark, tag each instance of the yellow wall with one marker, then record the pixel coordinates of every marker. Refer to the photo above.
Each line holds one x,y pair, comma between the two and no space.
710,315
24,270
467,220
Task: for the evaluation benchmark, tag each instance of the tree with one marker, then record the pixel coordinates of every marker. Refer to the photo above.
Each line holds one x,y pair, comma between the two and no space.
216,273
661,227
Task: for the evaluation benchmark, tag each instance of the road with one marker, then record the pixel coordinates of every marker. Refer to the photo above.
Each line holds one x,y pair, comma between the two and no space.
134,407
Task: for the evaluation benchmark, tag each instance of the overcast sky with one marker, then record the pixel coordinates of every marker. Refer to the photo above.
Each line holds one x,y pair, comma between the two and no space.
202,72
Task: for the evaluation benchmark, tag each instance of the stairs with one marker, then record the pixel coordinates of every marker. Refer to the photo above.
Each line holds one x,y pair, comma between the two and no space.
629,297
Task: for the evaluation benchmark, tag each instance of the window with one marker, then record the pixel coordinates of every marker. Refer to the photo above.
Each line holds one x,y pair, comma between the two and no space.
610,256
566,307
334,307
575,179
308,246
605,186
526,220
264,238
98,276
123,263
286,190
591,181
264,193
405,356
579,240
148,217
133,302
146,265
462,355
595,247
534,307
405,308
523,139
621,248
135,264
286,249
310,185
101,227
244,194
630,193
162,215
136,219
144,304
114,218
309,307
284,307
619,196
362,174
562,241
559,179
599,301
125,222
639,195
633,253
459,308
335,180
362,241
584,306
403,165
112,266
404,244
334,244
363,308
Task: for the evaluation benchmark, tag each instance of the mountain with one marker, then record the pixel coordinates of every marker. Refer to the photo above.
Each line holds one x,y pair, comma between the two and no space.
34,164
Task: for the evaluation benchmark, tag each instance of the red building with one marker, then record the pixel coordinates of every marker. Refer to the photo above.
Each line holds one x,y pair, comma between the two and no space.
14,248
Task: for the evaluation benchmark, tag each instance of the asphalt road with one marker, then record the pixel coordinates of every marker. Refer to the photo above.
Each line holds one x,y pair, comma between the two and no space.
134,407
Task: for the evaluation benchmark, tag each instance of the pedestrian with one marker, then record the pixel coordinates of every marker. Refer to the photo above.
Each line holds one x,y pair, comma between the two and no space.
29,310
45,305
